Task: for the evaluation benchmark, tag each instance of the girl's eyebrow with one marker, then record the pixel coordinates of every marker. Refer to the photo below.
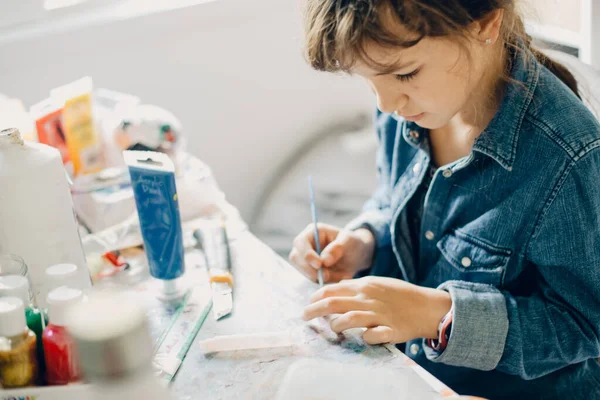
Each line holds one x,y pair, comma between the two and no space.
394,67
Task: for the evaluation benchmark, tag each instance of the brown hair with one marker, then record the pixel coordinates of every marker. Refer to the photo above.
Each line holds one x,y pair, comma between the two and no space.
336,30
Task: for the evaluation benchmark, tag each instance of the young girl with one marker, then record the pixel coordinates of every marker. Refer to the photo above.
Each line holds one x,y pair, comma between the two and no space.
482,241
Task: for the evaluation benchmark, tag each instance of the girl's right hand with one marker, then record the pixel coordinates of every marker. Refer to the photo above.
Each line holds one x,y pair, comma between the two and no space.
344,253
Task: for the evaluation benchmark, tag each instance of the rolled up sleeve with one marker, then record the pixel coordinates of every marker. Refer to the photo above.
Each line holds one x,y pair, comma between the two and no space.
559,323
479,327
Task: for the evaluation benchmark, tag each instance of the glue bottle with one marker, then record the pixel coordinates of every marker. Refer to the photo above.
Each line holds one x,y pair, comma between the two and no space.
115,347
38,213
18,364
62,366
18,286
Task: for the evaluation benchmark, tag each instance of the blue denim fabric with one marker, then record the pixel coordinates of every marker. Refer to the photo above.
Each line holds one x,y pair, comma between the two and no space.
512,232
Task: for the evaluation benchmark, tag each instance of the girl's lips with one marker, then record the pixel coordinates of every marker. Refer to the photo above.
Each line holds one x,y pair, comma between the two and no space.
414,118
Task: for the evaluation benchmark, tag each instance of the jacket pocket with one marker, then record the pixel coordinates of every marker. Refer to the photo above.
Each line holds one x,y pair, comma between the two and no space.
473,260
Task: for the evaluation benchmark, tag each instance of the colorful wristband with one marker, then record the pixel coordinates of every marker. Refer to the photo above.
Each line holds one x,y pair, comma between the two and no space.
444,329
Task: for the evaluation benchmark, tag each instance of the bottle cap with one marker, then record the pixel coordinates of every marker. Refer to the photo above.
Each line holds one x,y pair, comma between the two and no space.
112,335
62,275
12,317
15,286
10,136
59,301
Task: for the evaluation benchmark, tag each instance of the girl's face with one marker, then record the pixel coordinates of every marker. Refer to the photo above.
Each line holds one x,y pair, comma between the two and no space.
429,83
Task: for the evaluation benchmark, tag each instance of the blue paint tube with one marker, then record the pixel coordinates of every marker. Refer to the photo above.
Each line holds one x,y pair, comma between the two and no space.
153,183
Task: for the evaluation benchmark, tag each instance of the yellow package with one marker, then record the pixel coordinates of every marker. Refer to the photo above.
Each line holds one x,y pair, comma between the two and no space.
83,142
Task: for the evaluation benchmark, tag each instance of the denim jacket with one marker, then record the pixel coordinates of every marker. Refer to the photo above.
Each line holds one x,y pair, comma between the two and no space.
512,232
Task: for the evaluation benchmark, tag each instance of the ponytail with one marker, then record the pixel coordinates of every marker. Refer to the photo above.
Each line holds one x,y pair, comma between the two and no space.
559,70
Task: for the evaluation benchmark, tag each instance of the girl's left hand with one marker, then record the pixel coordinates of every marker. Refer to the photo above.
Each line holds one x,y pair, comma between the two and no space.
392,310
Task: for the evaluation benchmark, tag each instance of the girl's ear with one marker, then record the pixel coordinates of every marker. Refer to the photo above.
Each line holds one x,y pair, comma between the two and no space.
487,28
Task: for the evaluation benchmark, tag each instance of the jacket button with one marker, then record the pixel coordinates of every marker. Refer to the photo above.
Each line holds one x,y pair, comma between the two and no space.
414,134
466,262
429,235
447,173
417,168
414,349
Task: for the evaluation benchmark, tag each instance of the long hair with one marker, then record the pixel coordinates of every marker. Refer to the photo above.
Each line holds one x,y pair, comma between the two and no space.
336,30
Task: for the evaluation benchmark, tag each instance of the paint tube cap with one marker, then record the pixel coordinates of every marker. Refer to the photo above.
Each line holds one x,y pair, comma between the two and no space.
15,286
59,301
12,317
62,275
112,335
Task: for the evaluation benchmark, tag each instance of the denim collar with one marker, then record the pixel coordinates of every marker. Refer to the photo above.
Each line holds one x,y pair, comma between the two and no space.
499,140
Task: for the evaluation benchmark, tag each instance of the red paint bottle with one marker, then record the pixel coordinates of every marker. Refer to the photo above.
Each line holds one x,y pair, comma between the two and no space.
62,365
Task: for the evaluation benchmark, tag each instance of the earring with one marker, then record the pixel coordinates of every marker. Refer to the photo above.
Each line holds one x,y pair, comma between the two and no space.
488,41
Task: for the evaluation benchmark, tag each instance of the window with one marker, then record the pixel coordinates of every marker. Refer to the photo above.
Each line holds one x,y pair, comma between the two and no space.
570,25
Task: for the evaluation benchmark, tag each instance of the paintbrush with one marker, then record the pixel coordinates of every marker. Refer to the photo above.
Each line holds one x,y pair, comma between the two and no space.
313,208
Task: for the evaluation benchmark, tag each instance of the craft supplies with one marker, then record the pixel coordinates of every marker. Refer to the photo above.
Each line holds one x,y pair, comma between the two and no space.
153,181
173,346
103,199
64,275
83,142
36,212
62,363
112,335
213,240
18,286
267,340
49,125
150,128
18,363
313,209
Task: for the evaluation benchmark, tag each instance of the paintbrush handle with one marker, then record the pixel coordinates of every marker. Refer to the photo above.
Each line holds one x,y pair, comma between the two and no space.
313,208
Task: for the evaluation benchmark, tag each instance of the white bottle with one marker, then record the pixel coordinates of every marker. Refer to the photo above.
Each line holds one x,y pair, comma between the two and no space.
115,347
36,209
64,275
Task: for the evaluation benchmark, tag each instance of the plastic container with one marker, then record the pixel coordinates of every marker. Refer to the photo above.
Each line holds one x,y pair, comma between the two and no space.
18,286
62,359
111,332
18,362
64,275
38,213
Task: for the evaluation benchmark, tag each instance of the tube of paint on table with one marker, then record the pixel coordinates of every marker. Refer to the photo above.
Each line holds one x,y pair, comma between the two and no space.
153,183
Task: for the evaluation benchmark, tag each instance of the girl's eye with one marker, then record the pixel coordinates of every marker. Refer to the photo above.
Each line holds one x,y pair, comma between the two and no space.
409,76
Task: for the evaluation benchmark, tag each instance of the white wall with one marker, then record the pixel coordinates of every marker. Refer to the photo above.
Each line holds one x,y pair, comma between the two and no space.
231,70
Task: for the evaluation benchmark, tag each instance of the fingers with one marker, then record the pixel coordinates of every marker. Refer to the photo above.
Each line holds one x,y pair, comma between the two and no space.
353,319
303,255
304,245
302,265
327,234
335,305
332,254
342,289
378,335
